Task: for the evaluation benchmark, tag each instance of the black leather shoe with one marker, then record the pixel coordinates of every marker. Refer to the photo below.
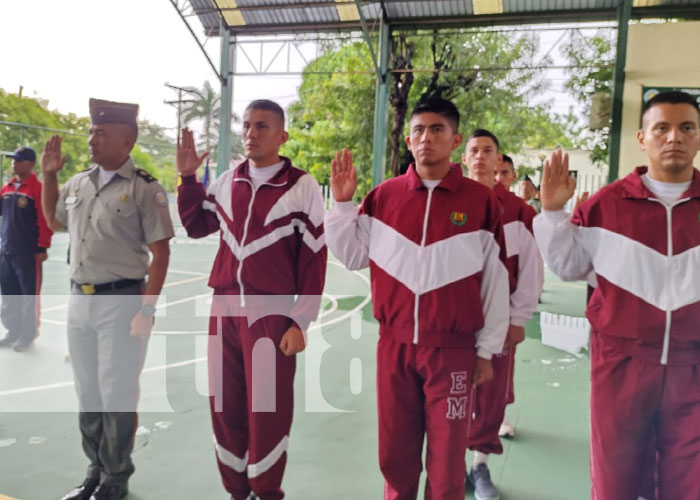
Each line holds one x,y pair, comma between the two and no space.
83,491
110,492
22,346
7,342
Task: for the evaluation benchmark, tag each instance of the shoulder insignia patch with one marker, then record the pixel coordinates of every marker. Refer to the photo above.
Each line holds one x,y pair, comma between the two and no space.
145,175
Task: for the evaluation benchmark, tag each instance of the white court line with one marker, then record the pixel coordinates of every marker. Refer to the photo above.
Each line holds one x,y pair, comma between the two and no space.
188,362
334,306
158,306
188,280
193,273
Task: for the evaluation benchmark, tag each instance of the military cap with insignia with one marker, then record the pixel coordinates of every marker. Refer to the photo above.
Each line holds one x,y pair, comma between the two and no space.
112,112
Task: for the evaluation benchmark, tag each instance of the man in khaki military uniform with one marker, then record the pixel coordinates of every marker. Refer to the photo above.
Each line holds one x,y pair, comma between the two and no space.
115,214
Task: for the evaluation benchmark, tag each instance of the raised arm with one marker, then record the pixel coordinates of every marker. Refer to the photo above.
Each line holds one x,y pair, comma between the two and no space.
347,231
555,234
197,209
51,164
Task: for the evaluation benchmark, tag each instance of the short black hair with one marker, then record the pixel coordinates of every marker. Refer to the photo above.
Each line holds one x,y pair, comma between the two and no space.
671,97
439,106
266,105
526,178
482,132
508,159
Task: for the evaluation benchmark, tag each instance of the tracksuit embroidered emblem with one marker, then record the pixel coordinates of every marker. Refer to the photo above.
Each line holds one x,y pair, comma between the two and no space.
458,218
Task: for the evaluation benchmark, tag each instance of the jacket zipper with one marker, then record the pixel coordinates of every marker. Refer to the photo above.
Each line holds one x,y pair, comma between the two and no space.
246,225
668,279
422,246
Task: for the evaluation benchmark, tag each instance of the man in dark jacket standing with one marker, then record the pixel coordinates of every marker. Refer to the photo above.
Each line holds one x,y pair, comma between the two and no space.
25,238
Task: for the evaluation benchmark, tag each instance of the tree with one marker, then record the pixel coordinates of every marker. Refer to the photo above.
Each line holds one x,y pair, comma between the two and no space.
29,123
206,108
592,61
402,52
336,98
334,111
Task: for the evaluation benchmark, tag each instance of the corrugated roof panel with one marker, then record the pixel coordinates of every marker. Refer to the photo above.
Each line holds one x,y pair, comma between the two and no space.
288,14
434,8
256,3
305,15
207,14
487,7
371,11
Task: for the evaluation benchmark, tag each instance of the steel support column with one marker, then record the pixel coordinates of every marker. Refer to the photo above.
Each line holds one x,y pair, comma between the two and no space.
381,105
228,63
624,11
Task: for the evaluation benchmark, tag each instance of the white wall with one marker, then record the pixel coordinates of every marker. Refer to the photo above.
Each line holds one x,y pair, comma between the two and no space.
666,55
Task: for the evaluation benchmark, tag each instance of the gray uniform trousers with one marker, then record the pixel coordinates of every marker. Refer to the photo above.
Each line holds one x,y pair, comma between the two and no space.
107,362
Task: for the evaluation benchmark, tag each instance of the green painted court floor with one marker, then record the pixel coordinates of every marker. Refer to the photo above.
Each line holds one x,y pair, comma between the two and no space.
333,442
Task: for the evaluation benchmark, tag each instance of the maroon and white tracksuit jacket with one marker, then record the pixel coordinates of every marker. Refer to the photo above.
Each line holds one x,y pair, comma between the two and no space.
645,314
525,267
440,293
272,247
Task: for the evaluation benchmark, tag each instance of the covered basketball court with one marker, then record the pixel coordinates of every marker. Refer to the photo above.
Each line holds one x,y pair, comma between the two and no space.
333,443
378,20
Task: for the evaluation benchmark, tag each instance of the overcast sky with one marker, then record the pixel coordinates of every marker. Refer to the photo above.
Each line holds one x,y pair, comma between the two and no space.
124,50
67,51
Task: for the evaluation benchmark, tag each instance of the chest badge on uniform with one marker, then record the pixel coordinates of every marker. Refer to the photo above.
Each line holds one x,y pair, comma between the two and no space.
124,198
21,202
161,199
458,218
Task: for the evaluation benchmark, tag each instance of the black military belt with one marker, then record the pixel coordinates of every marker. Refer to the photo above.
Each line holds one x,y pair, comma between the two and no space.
90,289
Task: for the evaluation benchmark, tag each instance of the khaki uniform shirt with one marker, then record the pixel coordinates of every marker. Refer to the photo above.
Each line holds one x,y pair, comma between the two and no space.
110,227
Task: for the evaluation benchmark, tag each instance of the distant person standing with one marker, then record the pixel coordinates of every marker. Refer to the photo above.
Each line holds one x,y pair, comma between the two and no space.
25,239
505,172
488,407
116,215
529,193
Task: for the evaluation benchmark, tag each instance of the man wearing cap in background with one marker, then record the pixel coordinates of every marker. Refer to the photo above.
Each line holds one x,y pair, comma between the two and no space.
25,238
115,214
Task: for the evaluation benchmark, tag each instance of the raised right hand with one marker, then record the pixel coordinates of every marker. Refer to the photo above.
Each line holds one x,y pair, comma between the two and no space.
343,176
51,160
557,185
187,159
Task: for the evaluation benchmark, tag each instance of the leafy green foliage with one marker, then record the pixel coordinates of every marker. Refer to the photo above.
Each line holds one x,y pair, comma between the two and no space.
592,60
29,123
205,109
334,111
484,73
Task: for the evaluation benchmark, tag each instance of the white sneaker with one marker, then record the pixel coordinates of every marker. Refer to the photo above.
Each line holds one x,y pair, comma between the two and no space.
507,430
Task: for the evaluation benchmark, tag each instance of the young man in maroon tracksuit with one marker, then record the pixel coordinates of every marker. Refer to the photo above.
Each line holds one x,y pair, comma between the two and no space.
641,237
433,241
270,218
482,158
505,172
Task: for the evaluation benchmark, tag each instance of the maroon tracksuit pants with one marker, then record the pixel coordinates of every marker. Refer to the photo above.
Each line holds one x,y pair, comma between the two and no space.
635,401
423,391
251,383
488,407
